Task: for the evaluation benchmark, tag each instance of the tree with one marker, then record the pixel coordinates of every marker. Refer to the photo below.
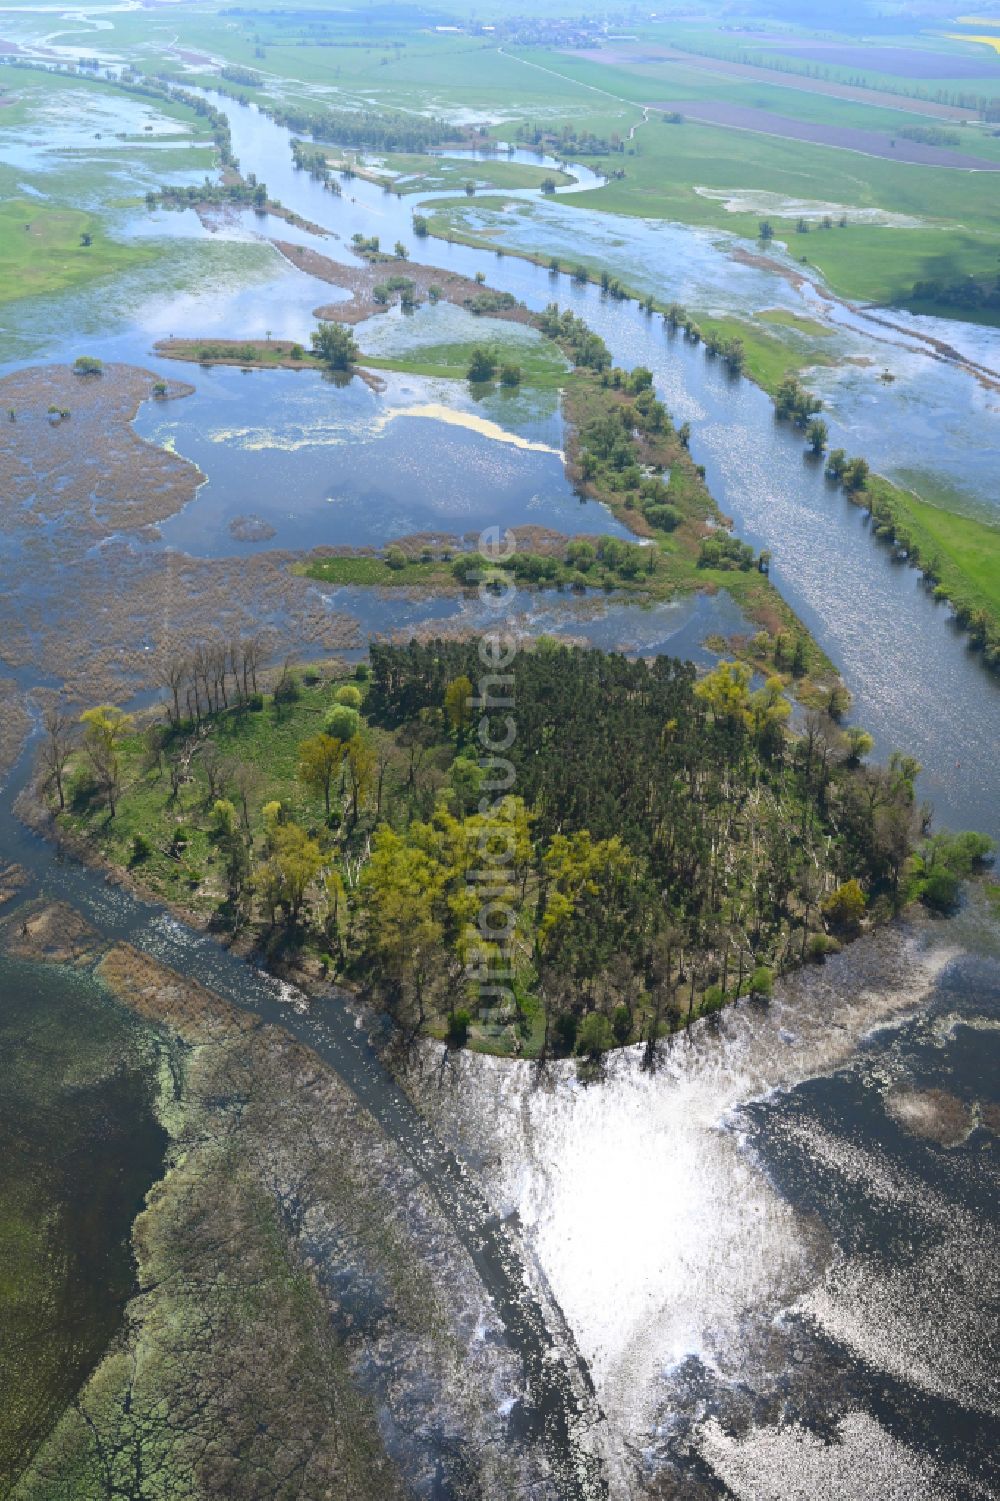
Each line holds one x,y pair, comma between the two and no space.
105,727
482,365
320,758
224,817
457,704
86,364
459,1023
400,884
817,434
845,907
836,464
765,231
856,475
510,375
859,744
595,1035
360,773
402,253
548,184
285,877
343,722
334,345
60,735
726,692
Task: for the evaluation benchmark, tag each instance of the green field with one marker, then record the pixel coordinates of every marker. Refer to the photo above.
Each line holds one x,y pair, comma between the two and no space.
41,249
539,362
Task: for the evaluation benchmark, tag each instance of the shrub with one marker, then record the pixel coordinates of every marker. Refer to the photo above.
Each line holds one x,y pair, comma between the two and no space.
664,517
287,690
941,891
761,981
458,1028
713,1000
482,365
510,375
621,1025
565,1029
846,906
395,558
348,694
141,848
595,1035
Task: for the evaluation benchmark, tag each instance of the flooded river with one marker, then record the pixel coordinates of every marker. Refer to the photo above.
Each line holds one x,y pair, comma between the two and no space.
770,1252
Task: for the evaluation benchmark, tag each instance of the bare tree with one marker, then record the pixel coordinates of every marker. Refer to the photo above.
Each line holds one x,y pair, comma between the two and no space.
216,768
60,737
173,672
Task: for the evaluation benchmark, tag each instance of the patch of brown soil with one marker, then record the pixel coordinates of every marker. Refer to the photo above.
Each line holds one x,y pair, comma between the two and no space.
777,268
12,879
53,932
88,471
160,996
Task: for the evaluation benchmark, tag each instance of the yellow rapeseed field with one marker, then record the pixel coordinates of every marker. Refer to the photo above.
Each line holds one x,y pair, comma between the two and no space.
987,41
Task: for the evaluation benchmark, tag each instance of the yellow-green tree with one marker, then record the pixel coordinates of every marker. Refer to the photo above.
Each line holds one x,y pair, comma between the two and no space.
320,758
457,704
104,728
290,869
360,773
846,906
726,691
400,886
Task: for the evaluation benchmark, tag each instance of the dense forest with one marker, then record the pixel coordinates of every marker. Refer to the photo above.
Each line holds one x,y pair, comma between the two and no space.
647,844
371,129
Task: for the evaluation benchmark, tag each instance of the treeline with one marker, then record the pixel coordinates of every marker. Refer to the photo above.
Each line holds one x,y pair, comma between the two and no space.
968,293
248,194
245,76
568,141
377,130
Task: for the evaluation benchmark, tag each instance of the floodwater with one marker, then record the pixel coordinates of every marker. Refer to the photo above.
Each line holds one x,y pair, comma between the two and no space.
775,1250
916,684
770,1251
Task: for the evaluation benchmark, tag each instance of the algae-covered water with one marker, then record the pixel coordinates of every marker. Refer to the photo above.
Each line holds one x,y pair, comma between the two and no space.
81,1146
